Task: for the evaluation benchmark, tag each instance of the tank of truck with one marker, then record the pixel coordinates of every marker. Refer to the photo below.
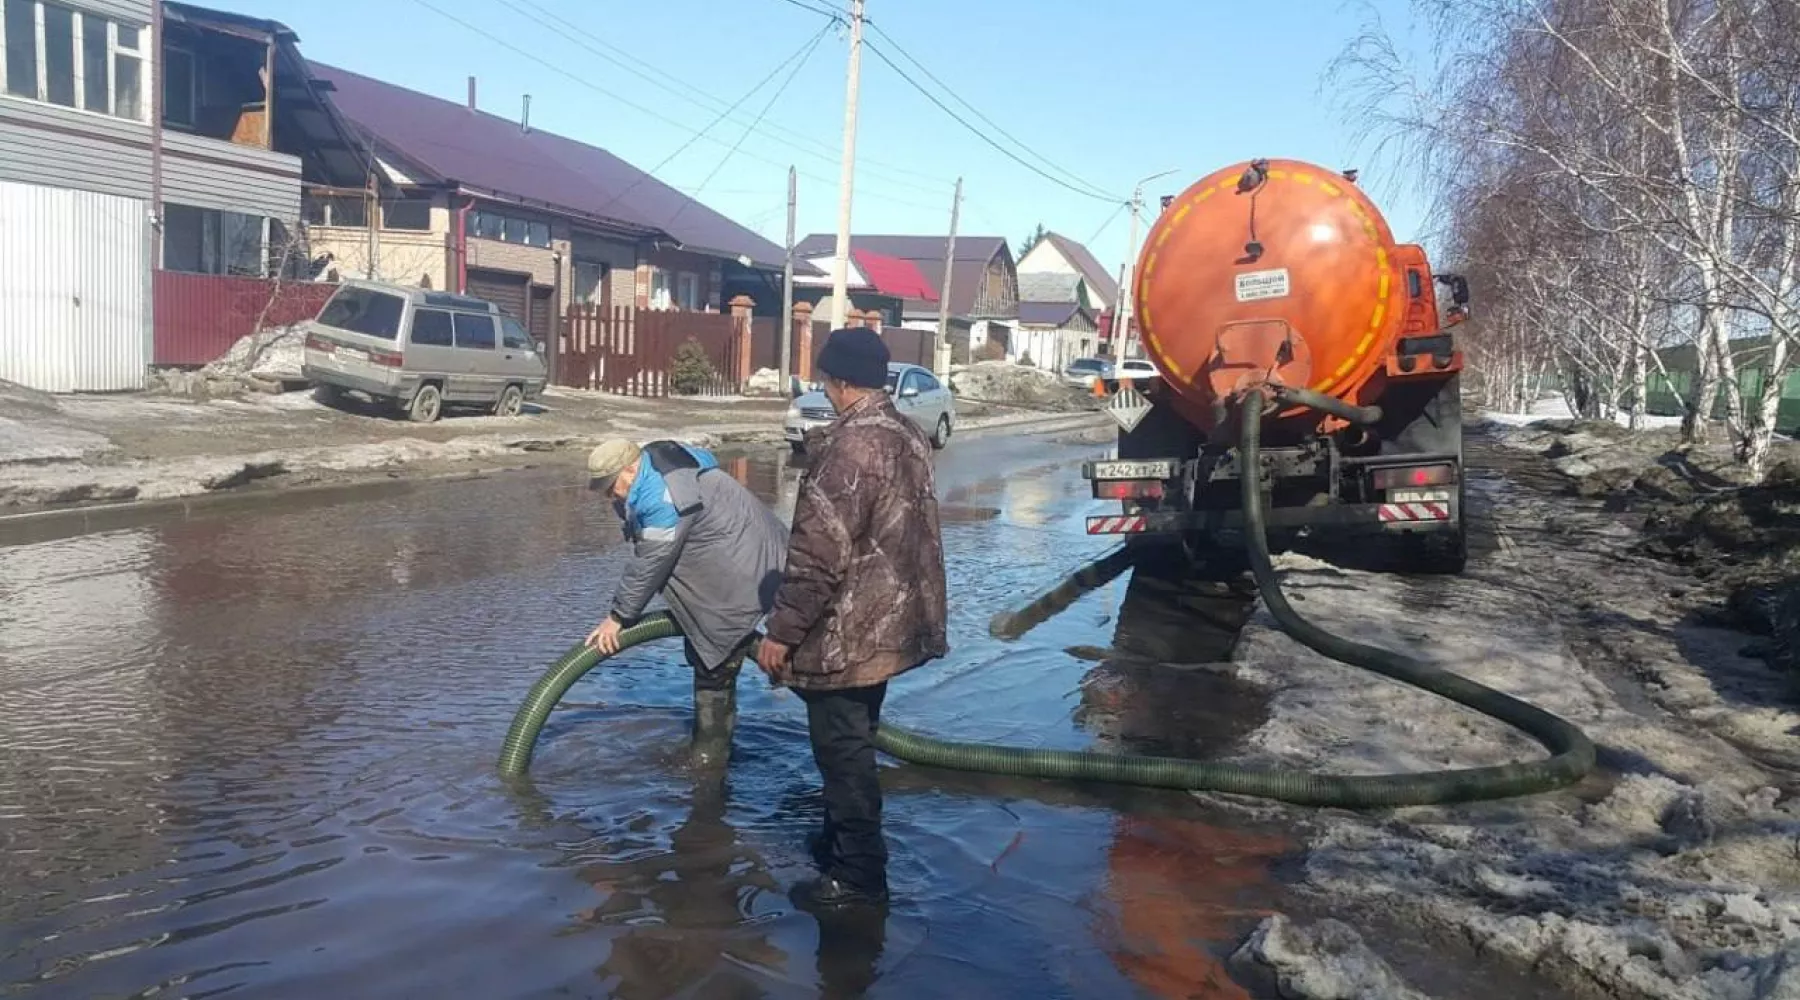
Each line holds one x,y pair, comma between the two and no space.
1271,270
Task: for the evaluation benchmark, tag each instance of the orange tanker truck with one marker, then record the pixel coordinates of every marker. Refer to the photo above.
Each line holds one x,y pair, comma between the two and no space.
1280,282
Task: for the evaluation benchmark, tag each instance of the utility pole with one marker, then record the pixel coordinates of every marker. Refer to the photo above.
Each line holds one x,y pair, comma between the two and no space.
1123,312
787,290
840,281
942,355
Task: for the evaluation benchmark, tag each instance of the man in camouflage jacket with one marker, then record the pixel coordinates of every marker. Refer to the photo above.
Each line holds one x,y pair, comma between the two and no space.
862,600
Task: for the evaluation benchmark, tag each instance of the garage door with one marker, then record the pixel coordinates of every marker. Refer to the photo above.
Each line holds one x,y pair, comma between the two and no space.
543,312
508,291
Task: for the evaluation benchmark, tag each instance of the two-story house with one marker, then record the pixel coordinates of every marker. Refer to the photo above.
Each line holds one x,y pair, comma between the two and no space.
984,287
142,136
526,218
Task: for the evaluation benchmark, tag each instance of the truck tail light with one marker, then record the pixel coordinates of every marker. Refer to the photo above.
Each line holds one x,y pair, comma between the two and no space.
387,359
314,342
1403,477
1128,489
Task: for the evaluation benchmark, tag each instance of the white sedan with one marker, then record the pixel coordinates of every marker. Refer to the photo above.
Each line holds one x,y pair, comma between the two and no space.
916,392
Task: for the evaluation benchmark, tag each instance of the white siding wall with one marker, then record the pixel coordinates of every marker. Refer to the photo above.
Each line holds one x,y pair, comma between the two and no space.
46,144
213,173
74,295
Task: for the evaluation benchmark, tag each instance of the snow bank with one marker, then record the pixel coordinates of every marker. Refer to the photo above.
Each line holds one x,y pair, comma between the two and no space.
1017,385
1557,408
1678,882
274,354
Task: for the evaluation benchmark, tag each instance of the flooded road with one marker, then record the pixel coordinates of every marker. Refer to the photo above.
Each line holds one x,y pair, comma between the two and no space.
253,754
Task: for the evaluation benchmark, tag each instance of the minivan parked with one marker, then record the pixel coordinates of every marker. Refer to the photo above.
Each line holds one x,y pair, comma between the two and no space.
422,350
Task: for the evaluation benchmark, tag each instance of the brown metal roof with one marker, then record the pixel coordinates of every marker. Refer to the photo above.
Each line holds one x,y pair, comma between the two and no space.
973,255
489,153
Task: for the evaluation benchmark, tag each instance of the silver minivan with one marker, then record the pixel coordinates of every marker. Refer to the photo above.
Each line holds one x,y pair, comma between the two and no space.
422,350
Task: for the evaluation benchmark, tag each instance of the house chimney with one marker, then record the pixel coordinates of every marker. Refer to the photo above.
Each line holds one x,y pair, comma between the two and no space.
525,115
471,93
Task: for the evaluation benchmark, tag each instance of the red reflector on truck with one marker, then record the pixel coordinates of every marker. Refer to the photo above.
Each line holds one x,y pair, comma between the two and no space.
314,342
1127,489
1399,478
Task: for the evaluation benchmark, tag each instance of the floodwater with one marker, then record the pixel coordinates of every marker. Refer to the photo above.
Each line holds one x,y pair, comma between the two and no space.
253,755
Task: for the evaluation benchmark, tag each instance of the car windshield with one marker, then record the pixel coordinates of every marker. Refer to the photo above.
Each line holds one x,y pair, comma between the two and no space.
1087,365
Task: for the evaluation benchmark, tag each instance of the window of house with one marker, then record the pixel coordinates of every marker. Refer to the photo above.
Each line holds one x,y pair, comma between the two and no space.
661,296
349,211
587,282
77,60
475,330
208,241
180,83
406,213
510,229
687,290
431,328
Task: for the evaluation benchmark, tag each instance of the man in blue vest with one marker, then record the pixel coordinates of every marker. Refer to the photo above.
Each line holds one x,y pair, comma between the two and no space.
713,551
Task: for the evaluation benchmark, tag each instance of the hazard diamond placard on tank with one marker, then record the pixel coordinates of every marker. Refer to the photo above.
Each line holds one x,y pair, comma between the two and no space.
1128,407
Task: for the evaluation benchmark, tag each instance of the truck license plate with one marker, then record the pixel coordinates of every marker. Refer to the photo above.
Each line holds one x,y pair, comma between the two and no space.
1418,496
1134,470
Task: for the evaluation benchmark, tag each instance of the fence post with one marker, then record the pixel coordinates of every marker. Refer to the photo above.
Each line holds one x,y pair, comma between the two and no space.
803,352
741,334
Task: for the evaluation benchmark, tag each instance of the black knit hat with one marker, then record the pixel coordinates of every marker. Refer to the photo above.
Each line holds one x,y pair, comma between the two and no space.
857,355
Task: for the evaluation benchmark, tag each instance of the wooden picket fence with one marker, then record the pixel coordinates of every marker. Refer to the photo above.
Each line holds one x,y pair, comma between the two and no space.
632,352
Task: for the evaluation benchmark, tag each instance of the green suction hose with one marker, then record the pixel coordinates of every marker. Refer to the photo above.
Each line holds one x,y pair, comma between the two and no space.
528,721
1572,753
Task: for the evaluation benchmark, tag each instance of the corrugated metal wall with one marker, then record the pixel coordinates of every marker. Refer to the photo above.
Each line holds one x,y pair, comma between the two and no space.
199,316
74,289
213,173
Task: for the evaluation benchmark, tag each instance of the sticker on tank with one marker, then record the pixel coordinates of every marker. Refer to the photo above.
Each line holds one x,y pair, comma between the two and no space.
1253,285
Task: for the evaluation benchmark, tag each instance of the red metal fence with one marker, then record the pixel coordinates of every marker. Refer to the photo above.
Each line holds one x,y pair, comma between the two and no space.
199,316
637,352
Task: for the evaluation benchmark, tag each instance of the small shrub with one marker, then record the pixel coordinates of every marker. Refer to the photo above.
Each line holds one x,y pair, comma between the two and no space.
692,370
1025,359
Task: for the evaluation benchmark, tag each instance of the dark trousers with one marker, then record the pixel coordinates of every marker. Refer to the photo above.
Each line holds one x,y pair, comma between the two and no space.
842,725
724,676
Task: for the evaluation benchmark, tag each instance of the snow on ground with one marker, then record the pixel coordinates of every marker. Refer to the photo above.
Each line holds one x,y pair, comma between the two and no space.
1557,408
1672,873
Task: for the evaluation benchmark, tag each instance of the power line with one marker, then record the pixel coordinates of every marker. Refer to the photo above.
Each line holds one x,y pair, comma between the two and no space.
1123,205
834,15
983,136
635,106
696,96
977,111
798,59
805,54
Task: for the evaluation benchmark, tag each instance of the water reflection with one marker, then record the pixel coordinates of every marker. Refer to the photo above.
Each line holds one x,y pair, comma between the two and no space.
253,752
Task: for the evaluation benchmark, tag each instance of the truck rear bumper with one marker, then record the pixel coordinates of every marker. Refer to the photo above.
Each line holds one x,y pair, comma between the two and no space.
1370,518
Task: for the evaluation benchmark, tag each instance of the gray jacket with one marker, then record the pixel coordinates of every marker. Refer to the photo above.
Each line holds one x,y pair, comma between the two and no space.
705,542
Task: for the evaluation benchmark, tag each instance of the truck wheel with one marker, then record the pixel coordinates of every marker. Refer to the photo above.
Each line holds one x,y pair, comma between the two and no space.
512,401
427,404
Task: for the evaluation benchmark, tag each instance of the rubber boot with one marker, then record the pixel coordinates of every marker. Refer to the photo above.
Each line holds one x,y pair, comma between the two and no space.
715,717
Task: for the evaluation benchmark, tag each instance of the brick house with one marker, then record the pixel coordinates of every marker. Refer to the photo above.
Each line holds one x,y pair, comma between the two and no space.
528,219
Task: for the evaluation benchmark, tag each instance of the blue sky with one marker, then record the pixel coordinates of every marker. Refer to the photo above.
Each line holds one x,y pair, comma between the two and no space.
1189,85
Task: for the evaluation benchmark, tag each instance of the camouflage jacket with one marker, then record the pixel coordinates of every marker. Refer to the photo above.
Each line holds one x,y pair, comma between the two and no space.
863,596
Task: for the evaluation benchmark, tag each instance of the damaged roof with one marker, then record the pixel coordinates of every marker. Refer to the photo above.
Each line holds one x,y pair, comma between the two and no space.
490,154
